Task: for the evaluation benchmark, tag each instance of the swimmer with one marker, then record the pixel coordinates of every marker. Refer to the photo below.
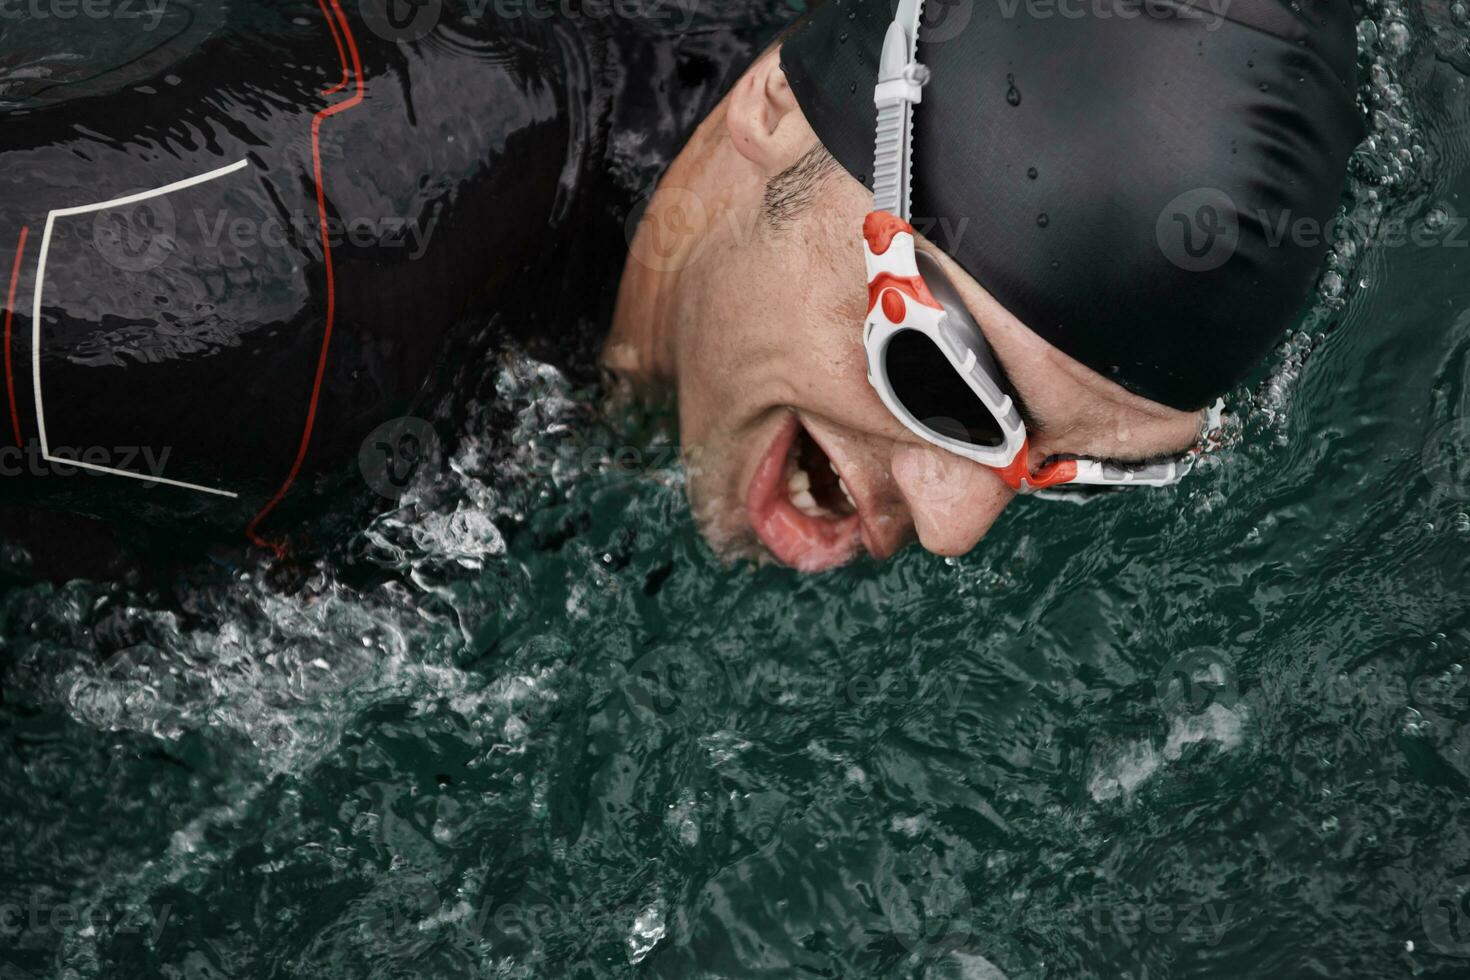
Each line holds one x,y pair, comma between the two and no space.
253,237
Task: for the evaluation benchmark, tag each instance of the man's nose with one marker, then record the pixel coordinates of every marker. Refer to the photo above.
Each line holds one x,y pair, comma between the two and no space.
952,500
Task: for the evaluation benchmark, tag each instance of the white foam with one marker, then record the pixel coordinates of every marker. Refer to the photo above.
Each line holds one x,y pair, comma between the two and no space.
648,931
1123,771
1216,723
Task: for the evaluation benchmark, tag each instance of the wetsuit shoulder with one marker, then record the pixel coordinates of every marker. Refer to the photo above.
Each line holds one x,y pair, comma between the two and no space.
232,262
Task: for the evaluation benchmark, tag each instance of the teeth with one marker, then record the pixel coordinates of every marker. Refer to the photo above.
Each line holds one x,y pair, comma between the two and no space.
799,488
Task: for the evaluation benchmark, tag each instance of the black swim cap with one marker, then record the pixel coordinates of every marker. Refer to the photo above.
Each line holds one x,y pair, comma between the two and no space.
1127,177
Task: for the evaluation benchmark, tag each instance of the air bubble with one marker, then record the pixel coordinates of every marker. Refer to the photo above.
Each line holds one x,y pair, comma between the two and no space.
1396,37
1332,286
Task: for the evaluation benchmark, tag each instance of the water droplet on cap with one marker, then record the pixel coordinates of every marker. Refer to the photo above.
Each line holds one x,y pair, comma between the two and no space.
1031,172
1042,220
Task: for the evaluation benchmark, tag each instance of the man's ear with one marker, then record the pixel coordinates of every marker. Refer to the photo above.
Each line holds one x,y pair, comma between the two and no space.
764,121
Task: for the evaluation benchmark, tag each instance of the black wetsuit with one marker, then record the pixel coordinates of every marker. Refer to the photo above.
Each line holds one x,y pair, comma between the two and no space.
366,183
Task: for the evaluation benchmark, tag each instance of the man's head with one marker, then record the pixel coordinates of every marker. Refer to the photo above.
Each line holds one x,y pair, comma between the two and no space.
1051,198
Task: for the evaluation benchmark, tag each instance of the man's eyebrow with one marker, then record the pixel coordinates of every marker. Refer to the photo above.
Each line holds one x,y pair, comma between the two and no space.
1027,416
1032,422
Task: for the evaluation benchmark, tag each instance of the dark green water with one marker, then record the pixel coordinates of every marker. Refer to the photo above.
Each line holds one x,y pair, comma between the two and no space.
529,726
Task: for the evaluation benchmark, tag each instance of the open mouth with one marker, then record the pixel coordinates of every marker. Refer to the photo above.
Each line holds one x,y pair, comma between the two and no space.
799,506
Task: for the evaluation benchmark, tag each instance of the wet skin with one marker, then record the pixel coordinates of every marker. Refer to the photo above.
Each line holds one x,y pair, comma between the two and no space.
759,328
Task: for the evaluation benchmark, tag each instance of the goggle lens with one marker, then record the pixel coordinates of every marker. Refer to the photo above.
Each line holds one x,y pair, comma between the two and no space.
935,394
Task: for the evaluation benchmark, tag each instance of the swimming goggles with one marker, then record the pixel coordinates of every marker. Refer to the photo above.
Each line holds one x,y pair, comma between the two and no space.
927,358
